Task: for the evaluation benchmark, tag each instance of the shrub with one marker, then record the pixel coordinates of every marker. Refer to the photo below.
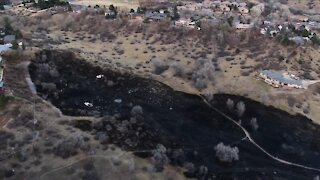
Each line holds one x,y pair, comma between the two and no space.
159,157
159,67
226,153
179,71
69,147
15,45
136,111
201,83
49,86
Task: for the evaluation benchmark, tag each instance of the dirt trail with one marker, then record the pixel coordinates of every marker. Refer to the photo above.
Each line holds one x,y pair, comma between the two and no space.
248,136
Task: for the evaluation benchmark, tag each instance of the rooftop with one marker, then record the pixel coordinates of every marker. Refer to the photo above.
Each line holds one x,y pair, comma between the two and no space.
9,38
281,78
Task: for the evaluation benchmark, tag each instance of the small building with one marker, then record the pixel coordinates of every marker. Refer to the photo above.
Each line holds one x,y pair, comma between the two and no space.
183,22
299,40
156,16
300,18
277,79
136,16
109,13
9,39
243,26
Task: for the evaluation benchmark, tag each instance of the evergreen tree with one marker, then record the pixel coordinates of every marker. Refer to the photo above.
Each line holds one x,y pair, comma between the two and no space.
176,15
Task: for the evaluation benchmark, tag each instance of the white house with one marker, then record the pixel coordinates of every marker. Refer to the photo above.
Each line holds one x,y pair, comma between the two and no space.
184,22
239,25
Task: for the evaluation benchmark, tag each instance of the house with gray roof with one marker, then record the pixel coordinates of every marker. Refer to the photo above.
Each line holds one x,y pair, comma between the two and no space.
156,16
9,39
277,79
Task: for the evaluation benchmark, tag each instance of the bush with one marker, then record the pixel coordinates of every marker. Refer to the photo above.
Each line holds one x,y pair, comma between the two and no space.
179,71
159,158
159,67
15,45
136,111
201,83
226,153
49,86
69,147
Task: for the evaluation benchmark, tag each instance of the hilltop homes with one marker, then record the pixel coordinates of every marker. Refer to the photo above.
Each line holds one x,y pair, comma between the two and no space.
218,9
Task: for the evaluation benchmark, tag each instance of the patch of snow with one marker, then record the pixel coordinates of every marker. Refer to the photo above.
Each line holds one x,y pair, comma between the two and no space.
99,76
118,100
88,104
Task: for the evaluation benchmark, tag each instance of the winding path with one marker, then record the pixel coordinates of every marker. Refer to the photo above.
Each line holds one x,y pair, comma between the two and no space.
254,143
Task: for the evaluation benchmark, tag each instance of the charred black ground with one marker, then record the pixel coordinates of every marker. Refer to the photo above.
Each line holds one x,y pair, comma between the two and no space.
183,123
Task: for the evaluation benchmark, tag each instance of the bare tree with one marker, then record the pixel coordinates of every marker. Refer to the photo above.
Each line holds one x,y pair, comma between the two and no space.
230,104
254,124
159,157
241,108
226,153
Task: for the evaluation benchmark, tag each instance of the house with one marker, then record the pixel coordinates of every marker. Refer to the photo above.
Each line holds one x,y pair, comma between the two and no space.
299,40
109,13
9,39
184,22
243,23
243,26
156,16
300,18
276,79
136,16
